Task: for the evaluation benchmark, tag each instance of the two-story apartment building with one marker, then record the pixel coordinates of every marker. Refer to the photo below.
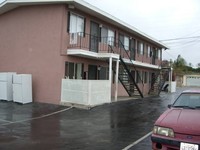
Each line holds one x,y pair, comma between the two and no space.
76,52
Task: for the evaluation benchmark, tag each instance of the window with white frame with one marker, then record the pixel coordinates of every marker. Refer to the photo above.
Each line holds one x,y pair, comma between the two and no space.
111,37
76,27
73,70
104,35
124,42
159,53
149,51
141,48
107,36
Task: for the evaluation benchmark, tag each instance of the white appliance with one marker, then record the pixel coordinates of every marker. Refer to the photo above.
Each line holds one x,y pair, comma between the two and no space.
6,91
22,88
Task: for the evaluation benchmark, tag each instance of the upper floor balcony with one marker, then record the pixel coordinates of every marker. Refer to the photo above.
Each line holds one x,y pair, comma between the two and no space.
87,45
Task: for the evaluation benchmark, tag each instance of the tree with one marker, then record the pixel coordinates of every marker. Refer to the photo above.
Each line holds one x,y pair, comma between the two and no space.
198,65
180,61
179,64
180,67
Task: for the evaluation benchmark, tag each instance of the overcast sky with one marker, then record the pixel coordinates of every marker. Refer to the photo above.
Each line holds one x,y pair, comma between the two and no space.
162,19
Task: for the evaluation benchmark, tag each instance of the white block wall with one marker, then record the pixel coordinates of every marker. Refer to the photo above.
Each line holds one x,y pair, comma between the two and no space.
86,92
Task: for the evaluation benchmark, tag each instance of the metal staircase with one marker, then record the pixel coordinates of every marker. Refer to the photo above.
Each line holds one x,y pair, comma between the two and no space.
125,76
158,81
127,80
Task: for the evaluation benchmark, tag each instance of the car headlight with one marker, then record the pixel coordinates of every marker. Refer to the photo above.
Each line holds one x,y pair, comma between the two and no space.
163,131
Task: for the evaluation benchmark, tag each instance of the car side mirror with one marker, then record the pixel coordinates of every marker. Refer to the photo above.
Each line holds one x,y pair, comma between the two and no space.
169,106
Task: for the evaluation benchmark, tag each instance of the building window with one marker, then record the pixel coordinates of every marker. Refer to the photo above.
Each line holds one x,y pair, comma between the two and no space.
124,42
107,36
149,51
73,70
154,52
140,48
76,23
76,27
159,54
103,73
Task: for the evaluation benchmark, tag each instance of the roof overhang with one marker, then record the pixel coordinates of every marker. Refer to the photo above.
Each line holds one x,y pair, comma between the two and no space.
8,5
104,56
141,64
91,55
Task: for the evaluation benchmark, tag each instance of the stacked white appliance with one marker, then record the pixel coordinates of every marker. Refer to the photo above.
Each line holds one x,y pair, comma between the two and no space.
22,88
6,89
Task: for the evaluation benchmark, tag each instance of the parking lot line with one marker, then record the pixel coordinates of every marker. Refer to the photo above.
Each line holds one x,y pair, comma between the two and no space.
40,117
138,141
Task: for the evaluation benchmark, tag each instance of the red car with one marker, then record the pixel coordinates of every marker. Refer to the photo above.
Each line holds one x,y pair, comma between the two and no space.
178,128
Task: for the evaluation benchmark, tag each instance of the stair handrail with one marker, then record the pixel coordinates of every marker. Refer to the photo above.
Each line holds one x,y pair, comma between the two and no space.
161,83
153,81
165,76
131,62
130,75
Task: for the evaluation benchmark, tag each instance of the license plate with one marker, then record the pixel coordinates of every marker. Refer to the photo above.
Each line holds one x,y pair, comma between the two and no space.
187,146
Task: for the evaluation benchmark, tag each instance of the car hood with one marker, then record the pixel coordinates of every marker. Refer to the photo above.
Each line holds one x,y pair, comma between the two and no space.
185,121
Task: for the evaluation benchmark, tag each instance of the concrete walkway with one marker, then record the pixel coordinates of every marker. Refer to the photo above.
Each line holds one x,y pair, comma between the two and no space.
113,126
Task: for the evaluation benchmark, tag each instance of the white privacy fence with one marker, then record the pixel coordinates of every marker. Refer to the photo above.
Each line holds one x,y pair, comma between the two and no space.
86,92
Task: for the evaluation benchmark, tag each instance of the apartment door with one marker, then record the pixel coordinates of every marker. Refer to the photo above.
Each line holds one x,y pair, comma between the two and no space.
92,72
154,57
132,50
121,41
70,70
94,37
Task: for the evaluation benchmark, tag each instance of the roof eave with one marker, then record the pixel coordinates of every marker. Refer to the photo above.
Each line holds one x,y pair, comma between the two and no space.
8,5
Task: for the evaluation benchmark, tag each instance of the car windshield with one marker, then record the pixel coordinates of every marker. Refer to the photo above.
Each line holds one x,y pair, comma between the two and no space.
188,100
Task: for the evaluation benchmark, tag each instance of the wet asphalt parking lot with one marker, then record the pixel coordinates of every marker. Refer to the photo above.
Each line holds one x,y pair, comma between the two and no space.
118,126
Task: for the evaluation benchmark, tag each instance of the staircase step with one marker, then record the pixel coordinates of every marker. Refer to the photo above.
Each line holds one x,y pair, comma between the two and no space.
156,88
127,80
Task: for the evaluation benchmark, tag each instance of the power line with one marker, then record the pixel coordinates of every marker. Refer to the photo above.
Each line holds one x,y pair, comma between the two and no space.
182,42
170,55
180,38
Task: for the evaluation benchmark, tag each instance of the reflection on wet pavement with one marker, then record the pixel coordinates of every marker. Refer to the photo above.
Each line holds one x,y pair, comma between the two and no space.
110,126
